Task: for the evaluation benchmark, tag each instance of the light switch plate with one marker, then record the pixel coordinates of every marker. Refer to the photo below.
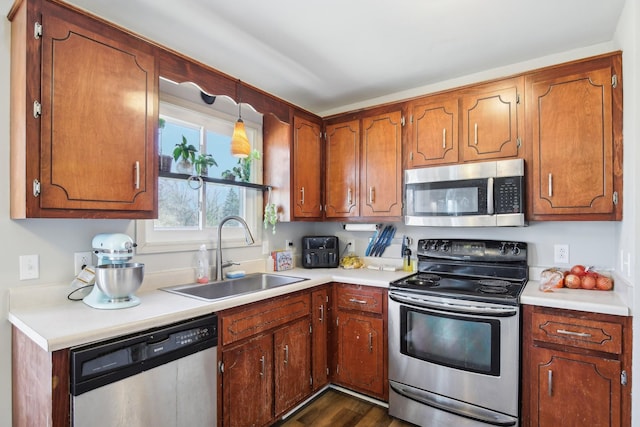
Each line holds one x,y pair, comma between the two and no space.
29,267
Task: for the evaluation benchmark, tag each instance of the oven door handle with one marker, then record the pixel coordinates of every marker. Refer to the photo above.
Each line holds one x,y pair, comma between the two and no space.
454,406
496,311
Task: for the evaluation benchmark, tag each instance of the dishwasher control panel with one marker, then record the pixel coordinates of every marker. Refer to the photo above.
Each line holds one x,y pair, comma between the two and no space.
102,363
177,340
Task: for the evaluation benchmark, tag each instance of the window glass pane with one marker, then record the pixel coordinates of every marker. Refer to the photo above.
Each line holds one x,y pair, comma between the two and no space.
177,205
172,134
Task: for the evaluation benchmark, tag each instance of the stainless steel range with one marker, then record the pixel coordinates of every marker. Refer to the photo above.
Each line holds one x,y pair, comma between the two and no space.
454,334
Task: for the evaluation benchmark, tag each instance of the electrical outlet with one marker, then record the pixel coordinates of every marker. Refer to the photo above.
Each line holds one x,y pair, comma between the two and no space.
288,244
561,254
80,259
351,246
29,267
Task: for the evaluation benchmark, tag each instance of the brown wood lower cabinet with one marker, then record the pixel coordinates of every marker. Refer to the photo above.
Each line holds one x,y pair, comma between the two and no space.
247,383
265,359
360,340
575,369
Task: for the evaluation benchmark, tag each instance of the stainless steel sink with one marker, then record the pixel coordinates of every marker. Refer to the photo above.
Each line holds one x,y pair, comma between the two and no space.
233,287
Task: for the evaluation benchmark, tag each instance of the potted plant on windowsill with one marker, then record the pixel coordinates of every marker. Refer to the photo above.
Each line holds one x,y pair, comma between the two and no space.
202,163
185,155
229,175
243,170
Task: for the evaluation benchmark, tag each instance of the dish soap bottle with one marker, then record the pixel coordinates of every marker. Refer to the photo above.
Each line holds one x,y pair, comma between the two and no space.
202,265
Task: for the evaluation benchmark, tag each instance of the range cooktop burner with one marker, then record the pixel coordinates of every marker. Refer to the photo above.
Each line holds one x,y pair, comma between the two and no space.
493,289
480,270
424,280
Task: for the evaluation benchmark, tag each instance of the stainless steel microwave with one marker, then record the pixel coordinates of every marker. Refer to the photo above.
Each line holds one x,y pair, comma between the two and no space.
483,194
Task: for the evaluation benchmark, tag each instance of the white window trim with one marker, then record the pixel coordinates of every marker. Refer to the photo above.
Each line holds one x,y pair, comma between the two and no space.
150,241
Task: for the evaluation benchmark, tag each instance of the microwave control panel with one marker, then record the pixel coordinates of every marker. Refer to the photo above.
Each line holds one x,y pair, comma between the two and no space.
509,194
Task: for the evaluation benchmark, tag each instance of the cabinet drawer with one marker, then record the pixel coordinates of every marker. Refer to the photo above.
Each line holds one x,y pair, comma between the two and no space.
358,298
583,333
261,317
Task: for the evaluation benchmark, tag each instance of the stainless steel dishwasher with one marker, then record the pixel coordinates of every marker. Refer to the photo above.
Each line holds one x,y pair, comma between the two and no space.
160,377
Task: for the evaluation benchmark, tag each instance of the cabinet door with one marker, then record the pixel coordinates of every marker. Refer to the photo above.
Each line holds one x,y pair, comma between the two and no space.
342,171
433,131
98,119
292,361
360,353
381,166
307,168
570,120
320,339
247,383
574,390
490,121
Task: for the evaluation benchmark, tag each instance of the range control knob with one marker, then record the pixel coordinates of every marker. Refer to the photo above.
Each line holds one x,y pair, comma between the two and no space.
515,250
444,247
503,248
433,245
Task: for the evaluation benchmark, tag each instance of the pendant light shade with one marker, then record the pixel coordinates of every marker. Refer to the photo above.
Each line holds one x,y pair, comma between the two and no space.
239,142
240,146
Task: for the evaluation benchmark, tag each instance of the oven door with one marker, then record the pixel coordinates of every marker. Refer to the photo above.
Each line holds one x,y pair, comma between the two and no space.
459,356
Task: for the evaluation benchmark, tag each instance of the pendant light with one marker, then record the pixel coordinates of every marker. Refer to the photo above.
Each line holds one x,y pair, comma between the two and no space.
240,146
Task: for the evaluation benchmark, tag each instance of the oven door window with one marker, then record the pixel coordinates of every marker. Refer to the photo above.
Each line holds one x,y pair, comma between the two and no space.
450,198
461,342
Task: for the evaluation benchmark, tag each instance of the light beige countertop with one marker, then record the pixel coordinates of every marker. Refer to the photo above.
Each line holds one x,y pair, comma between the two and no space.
45,314
605,302
52,321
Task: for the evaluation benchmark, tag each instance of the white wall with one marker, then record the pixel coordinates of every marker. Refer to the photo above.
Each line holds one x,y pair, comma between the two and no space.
627,39
56,240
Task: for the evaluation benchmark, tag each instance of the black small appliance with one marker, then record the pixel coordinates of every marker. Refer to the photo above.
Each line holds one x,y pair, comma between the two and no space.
320,252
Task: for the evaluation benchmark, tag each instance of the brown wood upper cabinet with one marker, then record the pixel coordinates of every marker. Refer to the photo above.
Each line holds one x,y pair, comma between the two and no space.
307,169
491,115
574,125
381,165
479,122
342,174
83,125
433,131
363,177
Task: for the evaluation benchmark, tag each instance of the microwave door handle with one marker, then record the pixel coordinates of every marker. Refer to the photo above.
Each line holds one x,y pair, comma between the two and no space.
490,196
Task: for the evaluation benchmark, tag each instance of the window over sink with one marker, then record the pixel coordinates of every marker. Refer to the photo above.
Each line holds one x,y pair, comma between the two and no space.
188,216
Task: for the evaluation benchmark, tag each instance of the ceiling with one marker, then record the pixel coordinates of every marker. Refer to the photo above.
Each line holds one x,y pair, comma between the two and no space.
325,55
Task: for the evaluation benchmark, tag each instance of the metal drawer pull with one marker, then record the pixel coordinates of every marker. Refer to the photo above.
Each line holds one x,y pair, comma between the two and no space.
321,313
262,366
349,196
550,185
475,136
286,354
370,342
575,334
444,138
137,175
372,194
357,301
550,390
302,196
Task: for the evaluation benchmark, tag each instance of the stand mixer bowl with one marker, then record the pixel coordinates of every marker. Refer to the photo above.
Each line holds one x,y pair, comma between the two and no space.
119,281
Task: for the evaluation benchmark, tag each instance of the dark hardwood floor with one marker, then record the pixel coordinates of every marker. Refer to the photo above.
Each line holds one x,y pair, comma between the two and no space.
336,409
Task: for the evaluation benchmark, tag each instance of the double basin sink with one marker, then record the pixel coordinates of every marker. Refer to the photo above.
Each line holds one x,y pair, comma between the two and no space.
248,284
